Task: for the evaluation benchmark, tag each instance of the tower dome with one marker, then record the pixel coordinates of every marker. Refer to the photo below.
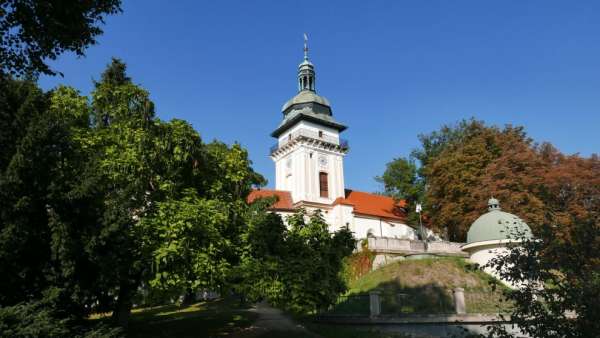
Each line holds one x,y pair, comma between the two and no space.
497,225
307,105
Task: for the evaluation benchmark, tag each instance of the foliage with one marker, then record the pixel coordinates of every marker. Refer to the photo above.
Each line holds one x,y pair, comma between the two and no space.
312,274
558,272
32,32
460,167
299,267
205,319
456,193
402,182
425,286
45,217
40,318
99,198
358,264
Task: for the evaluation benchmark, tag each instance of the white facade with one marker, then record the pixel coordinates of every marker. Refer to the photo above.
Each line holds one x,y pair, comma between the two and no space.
306,150
362,226
309,165
482,253
369,226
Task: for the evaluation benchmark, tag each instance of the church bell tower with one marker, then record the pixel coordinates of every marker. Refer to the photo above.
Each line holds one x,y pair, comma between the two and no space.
309,154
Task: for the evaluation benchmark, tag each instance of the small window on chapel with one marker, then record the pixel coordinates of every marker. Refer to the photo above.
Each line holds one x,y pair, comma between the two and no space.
323,185
320,134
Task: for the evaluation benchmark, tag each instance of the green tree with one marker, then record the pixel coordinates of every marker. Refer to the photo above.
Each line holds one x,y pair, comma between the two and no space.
462,166
402,182
558,274
312,270
264,251
32,32
39,182
174,207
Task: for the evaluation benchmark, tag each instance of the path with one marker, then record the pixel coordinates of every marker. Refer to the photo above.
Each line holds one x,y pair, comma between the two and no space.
272,320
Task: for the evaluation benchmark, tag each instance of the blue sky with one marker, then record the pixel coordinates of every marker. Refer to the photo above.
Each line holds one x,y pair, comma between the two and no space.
391,69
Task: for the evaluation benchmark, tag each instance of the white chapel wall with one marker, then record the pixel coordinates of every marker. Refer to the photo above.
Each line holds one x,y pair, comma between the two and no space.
381,228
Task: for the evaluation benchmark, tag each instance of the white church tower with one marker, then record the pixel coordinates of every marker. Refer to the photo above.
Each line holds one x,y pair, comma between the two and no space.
309,169
309,154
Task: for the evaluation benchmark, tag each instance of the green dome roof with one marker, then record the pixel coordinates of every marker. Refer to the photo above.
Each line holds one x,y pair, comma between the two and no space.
306,96
496,225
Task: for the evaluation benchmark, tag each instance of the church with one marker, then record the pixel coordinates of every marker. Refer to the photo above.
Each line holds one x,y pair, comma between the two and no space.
309,169
309,173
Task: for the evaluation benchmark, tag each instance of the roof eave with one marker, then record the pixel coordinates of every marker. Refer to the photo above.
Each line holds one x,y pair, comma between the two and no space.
280,130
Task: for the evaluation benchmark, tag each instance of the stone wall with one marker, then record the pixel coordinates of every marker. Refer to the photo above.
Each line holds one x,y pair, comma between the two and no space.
388,250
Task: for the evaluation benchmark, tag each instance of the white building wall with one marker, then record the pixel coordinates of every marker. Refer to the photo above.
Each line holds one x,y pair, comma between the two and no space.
381,228
482,254
310,126
298,169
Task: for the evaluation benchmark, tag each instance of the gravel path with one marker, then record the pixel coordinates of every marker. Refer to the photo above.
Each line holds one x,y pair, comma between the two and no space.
272,320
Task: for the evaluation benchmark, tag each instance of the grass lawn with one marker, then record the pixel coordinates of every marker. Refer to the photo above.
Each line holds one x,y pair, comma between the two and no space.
222,318
424,286
205,319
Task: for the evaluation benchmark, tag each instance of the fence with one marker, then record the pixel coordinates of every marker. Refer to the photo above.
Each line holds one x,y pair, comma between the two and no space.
425,302
350,305
486,302
404,303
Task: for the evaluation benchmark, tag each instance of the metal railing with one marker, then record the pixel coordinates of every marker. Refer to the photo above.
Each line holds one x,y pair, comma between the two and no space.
432,302
350,305
486,302
310,134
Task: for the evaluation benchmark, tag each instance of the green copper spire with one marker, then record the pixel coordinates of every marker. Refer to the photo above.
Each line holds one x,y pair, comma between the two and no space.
307,105
306,71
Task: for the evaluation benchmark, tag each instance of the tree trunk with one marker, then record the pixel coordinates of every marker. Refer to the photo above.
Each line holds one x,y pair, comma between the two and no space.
189,297
122,310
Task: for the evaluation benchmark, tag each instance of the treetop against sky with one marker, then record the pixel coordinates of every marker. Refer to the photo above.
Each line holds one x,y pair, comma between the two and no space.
391,70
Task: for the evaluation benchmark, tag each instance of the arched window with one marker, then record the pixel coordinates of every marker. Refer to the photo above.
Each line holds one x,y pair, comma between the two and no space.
370,233
323,185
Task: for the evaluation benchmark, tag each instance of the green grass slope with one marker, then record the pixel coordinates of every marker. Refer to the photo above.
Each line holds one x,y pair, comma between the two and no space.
423,286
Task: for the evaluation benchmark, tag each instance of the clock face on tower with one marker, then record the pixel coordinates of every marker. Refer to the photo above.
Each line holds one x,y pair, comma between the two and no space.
323,161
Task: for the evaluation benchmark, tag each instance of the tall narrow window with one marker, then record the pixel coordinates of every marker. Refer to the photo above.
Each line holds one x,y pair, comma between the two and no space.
320,133
323,185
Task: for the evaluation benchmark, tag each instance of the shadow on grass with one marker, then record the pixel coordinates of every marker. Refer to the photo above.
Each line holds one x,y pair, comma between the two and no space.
205,319
423,286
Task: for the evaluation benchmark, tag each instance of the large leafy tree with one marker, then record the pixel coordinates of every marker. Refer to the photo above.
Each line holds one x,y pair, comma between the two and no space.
298,266
31,32
466,173
461,166
559,270
39,188
47,214
173,206
402,182
312,273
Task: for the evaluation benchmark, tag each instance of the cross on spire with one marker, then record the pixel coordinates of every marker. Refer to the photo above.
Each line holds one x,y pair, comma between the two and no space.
305,46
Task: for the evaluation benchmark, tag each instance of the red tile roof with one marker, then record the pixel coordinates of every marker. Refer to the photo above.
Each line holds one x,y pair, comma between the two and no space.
284,198
364,203
374,205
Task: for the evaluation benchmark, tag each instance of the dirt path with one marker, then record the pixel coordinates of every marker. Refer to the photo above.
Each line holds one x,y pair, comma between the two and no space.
272,320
